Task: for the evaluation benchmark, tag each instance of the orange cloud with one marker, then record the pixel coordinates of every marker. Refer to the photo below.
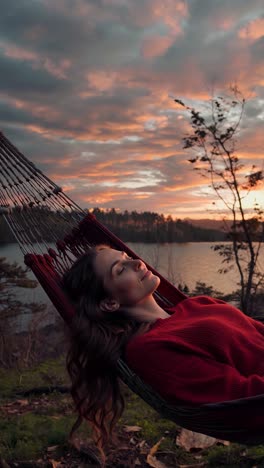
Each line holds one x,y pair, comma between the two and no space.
103,197
102,80
253,156
117,120
155,46
182,186
171,12
224,24
253,30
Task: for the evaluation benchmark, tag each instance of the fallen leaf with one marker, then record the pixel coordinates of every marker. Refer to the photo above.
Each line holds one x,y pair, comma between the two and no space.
189,439
224,442
13,411
153,461
52,448
141,444
132,441
22,402
55,464
155,447
132,428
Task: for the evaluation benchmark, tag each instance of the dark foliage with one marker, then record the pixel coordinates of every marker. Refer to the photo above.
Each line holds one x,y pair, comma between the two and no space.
150,227
213,139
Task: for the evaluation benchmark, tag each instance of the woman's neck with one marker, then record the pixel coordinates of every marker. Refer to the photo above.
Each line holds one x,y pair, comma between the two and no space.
148,311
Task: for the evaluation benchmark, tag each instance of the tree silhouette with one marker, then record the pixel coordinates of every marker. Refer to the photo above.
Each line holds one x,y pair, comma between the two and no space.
213,137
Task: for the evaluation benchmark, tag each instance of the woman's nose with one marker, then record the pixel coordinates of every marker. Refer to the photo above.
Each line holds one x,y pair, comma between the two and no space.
138,264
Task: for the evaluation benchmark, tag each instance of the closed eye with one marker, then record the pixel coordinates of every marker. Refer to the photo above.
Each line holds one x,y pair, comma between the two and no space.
126,257
123,268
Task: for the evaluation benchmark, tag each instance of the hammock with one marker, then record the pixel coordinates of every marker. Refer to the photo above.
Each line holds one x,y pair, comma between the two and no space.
41,216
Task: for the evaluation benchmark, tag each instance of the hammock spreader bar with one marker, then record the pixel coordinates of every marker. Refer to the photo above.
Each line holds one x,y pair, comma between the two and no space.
33,206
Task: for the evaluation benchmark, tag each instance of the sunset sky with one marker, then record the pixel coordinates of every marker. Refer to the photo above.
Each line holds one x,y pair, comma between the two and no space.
86,92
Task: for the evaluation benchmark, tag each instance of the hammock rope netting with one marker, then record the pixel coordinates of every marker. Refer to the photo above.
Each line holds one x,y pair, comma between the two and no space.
52,232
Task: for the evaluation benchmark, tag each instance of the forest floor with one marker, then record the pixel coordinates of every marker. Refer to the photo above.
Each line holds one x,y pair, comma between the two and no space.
35,425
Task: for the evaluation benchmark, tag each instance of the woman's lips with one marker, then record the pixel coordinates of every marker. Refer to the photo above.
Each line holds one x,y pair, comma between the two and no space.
148,273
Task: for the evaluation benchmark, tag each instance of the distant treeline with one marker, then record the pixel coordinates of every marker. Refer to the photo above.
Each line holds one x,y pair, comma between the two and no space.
153,227
6,235
132,227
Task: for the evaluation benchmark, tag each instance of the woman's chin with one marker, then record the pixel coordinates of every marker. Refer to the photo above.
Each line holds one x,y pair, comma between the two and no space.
156,280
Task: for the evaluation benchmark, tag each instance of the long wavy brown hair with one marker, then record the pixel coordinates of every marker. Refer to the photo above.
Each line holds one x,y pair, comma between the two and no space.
97,340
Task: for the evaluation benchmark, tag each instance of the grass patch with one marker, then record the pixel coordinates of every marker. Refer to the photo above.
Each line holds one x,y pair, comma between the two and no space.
235,455
48,423
26,436
51,372
29,435
138,413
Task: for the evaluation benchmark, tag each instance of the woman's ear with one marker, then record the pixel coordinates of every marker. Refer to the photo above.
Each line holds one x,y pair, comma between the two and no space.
109,305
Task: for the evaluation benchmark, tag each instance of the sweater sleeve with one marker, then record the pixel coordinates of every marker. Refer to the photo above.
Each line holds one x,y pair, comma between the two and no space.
192,379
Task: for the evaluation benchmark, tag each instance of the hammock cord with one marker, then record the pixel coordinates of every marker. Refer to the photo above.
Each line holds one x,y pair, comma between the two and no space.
52,231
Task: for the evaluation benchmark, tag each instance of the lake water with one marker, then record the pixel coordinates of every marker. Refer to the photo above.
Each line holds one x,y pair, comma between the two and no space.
191,262
179,263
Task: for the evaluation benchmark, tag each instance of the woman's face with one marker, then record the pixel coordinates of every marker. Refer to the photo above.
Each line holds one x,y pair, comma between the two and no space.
128,281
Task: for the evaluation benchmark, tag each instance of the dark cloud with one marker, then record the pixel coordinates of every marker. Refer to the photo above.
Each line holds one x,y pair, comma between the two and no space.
21,78
203,10
56,33
32,24
10,114
81,97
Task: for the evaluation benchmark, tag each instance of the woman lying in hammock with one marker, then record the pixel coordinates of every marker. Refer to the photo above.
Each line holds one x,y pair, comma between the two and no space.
203,350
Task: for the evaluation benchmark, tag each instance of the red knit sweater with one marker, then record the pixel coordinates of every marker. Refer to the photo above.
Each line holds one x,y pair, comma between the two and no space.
207,351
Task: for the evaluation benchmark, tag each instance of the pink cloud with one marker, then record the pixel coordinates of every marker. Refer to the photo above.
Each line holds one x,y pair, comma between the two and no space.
171,12
150,12
16,52
224,24
57,69
104,80
253,30
156,45
108,104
